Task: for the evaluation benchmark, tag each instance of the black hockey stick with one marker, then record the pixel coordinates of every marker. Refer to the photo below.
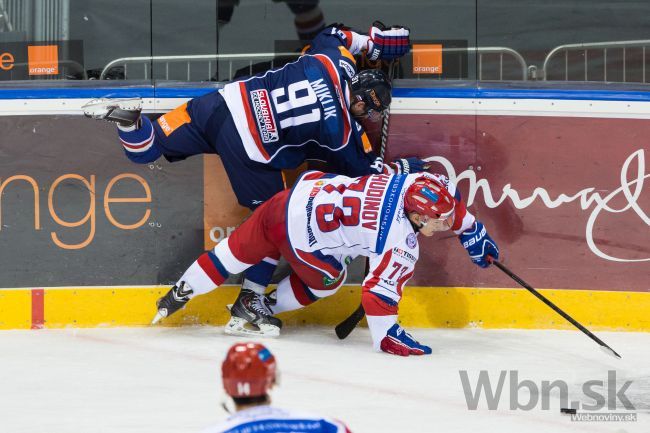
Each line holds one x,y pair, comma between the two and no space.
344,328
555,308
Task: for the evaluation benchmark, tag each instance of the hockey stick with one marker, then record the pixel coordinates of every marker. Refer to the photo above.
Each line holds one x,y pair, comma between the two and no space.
555,308
344,328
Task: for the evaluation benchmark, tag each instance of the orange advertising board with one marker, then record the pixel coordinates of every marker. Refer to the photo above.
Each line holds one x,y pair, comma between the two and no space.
221,214
427,58
43,59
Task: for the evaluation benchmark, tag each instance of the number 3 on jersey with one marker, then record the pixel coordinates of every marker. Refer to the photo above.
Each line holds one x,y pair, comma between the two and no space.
330,217
297,95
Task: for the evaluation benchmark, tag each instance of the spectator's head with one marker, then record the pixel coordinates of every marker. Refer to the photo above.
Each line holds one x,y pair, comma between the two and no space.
248,373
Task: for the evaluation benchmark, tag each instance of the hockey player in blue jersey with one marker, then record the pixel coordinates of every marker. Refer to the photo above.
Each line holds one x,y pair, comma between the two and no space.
308,109
249,372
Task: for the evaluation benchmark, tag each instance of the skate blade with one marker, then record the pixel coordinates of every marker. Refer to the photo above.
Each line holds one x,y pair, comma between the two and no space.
99,107
239,327
157,318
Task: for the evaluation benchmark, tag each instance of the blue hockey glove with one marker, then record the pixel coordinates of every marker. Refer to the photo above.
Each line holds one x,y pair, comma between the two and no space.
409,165
479,244
387,43
399,342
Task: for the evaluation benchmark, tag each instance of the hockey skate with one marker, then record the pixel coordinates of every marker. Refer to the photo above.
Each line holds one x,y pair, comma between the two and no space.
250,316
125,112
173,301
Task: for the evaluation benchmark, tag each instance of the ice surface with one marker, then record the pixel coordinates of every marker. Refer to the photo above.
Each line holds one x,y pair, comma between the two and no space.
167,379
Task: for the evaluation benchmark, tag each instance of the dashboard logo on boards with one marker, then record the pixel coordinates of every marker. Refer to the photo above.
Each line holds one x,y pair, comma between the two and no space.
632,177
87,186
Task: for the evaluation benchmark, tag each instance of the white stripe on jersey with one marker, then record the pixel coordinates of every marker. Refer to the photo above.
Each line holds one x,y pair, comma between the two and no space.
233,98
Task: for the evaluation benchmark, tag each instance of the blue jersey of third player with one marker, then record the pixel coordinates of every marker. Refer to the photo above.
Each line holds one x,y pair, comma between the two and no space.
283,114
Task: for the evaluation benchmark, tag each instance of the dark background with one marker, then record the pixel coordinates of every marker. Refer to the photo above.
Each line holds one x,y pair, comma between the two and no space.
45,148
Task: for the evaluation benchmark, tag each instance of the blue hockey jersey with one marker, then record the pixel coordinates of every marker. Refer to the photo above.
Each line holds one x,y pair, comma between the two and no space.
300,111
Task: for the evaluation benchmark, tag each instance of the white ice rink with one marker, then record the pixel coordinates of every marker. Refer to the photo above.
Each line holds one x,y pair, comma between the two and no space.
167,379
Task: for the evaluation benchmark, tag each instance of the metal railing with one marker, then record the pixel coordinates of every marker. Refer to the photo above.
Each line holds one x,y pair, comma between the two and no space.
148,62
500,51
507,62
602,47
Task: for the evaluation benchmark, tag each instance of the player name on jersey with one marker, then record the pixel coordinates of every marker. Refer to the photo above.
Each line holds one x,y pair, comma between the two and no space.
325,97
372,201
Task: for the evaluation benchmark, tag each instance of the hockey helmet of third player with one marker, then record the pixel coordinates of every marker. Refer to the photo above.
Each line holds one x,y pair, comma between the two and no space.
429,197
373,88
249,370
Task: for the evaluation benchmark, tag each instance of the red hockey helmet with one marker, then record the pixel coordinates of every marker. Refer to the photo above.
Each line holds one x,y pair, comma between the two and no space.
429,197
249,370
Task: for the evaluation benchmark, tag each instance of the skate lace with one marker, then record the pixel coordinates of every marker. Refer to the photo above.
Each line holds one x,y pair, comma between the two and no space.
256,303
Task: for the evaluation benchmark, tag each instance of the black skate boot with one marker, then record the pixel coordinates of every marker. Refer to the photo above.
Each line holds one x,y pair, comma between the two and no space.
251,317
125,112
173,301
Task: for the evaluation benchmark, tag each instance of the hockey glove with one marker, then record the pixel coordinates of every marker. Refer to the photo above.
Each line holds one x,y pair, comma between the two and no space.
399,342
387,43
479,244
409,165
377,165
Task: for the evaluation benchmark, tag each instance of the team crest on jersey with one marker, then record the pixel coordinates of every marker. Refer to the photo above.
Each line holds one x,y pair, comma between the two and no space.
261,107
411,240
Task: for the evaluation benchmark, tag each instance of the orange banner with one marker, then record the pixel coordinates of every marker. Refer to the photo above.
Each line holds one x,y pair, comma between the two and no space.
427,58
221,213
43,59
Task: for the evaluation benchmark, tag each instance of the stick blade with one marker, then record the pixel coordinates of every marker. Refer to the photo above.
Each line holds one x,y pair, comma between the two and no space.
344,328
608,350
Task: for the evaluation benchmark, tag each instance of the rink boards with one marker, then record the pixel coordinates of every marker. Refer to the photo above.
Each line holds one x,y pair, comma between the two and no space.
422,307
556,176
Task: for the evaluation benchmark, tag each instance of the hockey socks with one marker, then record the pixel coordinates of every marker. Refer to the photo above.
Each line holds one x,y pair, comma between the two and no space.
139,143
258,277
205,274
292,294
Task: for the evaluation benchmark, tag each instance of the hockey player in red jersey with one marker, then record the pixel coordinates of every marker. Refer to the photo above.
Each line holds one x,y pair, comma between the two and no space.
249,372
326,221
305,110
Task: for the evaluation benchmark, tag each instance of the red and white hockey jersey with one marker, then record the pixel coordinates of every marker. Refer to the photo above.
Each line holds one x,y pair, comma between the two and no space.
337,218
